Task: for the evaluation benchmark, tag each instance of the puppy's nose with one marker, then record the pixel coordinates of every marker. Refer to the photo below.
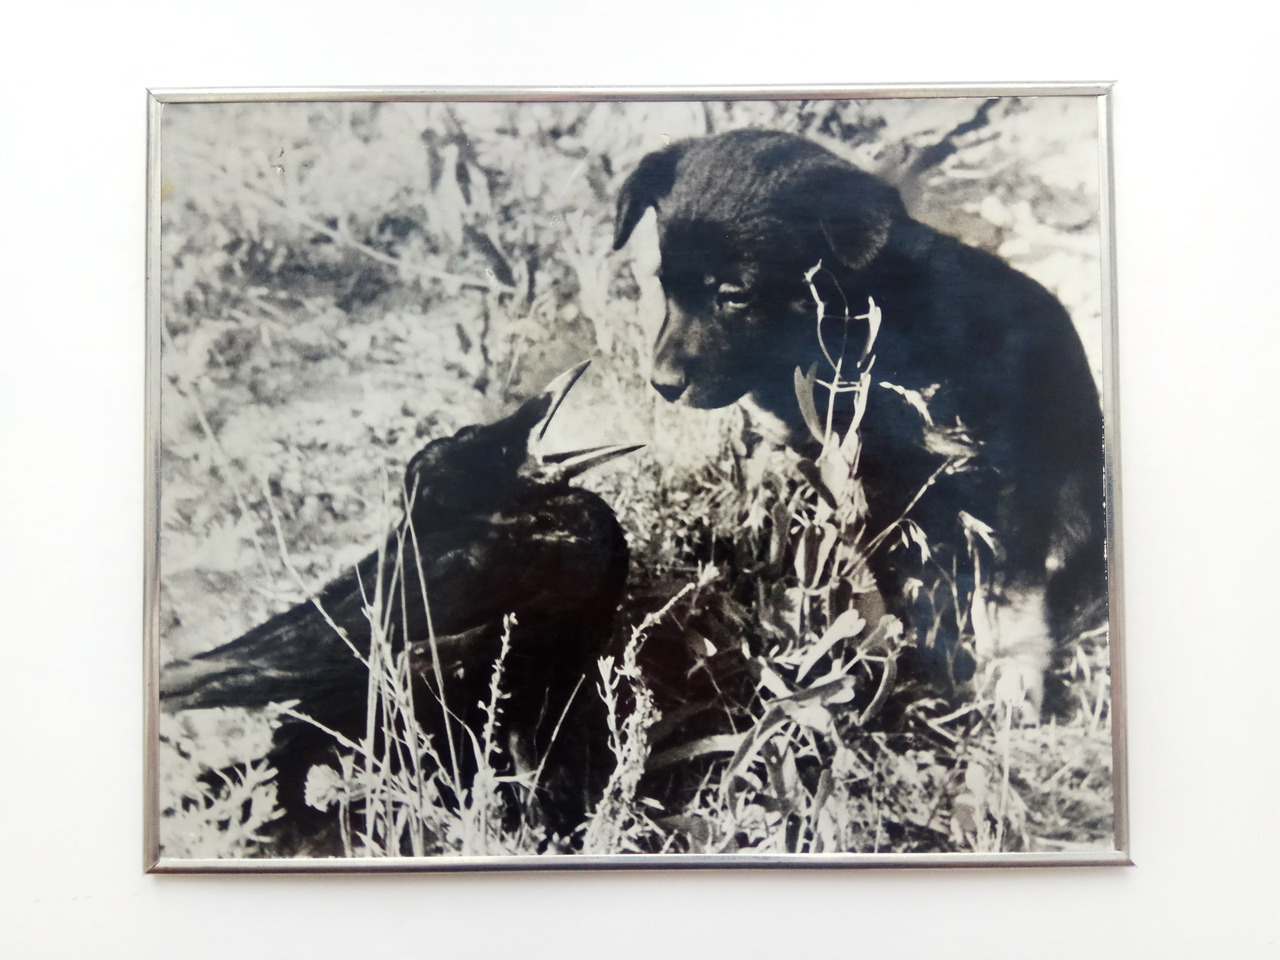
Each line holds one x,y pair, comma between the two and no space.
669,383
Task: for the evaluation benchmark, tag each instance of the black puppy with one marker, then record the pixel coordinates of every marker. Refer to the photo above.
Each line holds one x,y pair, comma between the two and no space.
741,218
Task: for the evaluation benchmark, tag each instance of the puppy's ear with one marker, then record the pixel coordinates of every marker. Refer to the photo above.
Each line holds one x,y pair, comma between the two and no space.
648,183
855,211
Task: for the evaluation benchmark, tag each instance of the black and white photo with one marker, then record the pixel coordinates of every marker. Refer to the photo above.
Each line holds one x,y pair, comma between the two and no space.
598,478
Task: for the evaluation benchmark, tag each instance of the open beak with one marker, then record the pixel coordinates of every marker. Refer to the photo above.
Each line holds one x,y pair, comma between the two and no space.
555,393
563,467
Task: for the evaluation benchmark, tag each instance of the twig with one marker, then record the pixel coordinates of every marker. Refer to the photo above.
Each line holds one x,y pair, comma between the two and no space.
431,634
630,742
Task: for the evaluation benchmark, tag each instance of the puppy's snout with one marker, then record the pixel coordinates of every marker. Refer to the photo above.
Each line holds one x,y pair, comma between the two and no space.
669,382
671,362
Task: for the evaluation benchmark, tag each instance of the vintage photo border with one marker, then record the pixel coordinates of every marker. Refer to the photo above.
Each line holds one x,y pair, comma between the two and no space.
156,863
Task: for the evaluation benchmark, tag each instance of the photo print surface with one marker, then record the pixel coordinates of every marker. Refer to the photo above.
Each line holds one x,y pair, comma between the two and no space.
704,480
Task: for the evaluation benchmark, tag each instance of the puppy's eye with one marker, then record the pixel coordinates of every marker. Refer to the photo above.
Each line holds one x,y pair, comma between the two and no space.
732,295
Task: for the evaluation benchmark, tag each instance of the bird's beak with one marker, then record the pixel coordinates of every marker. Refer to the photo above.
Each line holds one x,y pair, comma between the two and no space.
554,395
563,467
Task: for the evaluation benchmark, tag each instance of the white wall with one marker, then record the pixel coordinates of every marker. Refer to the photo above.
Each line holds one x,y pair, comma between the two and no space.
1195,170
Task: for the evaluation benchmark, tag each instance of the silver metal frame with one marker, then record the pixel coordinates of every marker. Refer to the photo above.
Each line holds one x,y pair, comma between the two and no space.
153,862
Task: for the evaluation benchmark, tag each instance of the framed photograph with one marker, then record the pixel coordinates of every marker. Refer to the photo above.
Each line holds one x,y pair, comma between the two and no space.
610,478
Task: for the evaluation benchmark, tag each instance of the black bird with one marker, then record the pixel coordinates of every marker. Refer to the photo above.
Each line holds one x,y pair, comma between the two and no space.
491,528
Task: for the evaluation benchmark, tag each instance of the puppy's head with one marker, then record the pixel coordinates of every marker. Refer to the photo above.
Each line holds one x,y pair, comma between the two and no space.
741,218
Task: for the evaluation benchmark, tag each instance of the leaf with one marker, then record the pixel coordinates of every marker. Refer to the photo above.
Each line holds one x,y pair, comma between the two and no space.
815,548
915,399
718,743
782,776
809,470
873,326
822,792
917,536
747,750
773,683
848,624
882,694
813,716
835,473
884,637
808,708
829,534
975,527
781,517
804,394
